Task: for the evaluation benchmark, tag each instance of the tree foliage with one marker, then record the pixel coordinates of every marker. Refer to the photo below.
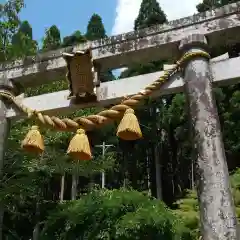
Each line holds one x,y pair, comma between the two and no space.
96,31
95,28
9,23
150,14
22,42
211,4
74,39
117,214
52,39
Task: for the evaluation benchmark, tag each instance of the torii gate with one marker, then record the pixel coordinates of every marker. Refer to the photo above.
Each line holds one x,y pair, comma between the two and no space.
190,36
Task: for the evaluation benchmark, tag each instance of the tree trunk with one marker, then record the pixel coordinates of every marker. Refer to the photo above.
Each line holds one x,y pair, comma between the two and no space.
36,230
158,172
74,187
1,221
148,174
61,197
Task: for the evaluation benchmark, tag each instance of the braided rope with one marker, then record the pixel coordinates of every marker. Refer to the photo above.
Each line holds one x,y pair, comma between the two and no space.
92,121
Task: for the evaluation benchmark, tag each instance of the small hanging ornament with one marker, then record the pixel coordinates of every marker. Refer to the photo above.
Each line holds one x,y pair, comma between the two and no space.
129,128
79,147
33,141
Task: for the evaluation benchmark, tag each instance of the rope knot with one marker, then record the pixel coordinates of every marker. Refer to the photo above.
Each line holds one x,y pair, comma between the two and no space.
125,98
80,131
129,110
104,116
35,127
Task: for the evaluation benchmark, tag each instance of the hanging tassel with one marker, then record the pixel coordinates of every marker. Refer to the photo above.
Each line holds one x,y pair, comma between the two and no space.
79,147
129,128
33,141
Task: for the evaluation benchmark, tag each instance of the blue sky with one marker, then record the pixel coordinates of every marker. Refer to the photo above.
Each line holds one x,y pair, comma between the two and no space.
69,16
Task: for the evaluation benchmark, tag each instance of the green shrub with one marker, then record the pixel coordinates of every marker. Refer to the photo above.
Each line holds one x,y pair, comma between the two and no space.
116,214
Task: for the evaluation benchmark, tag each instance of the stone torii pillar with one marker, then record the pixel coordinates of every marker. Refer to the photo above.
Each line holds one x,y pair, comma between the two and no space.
217,210
5,84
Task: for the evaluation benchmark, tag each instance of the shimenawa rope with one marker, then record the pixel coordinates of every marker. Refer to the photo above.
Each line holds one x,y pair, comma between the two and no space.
128,128
91,121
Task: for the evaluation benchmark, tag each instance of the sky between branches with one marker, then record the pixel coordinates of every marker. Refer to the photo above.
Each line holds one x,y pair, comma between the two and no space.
118,15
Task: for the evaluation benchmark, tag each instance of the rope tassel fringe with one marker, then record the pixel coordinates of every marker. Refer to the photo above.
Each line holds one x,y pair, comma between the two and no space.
129,128
79,147
33,141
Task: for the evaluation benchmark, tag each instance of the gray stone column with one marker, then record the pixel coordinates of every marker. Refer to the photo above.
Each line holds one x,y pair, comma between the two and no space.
217,211
4,130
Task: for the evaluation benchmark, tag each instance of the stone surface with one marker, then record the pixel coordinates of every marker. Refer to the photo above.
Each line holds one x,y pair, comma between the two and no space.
159,42
5,84
198,40
217,210
4,130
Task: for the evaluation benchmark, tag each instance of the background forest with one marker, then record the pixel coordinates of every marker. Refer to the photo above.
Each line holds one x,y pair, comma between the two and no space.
51,197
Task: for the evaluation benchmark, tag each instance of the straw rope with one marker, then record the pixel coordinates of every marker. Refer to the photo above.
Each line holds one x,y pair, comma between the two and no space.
92,121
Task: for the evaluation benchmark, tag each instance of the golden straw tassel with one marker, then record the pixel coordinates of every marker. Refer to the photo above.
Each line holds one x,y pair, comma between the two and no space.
129,128
79,147
33,141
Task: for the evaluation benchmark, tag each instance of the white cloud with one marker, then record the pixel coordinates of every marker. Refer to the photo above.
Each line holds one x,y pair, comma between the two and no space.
127,11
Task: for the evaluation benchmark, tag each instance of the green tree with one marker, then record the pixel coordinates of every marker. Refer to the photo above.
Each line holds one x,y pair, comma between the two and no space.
22,41
95,28
211,4
26,29
96,31
52,39
9,23
73,39
207,5
150,14
115,214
